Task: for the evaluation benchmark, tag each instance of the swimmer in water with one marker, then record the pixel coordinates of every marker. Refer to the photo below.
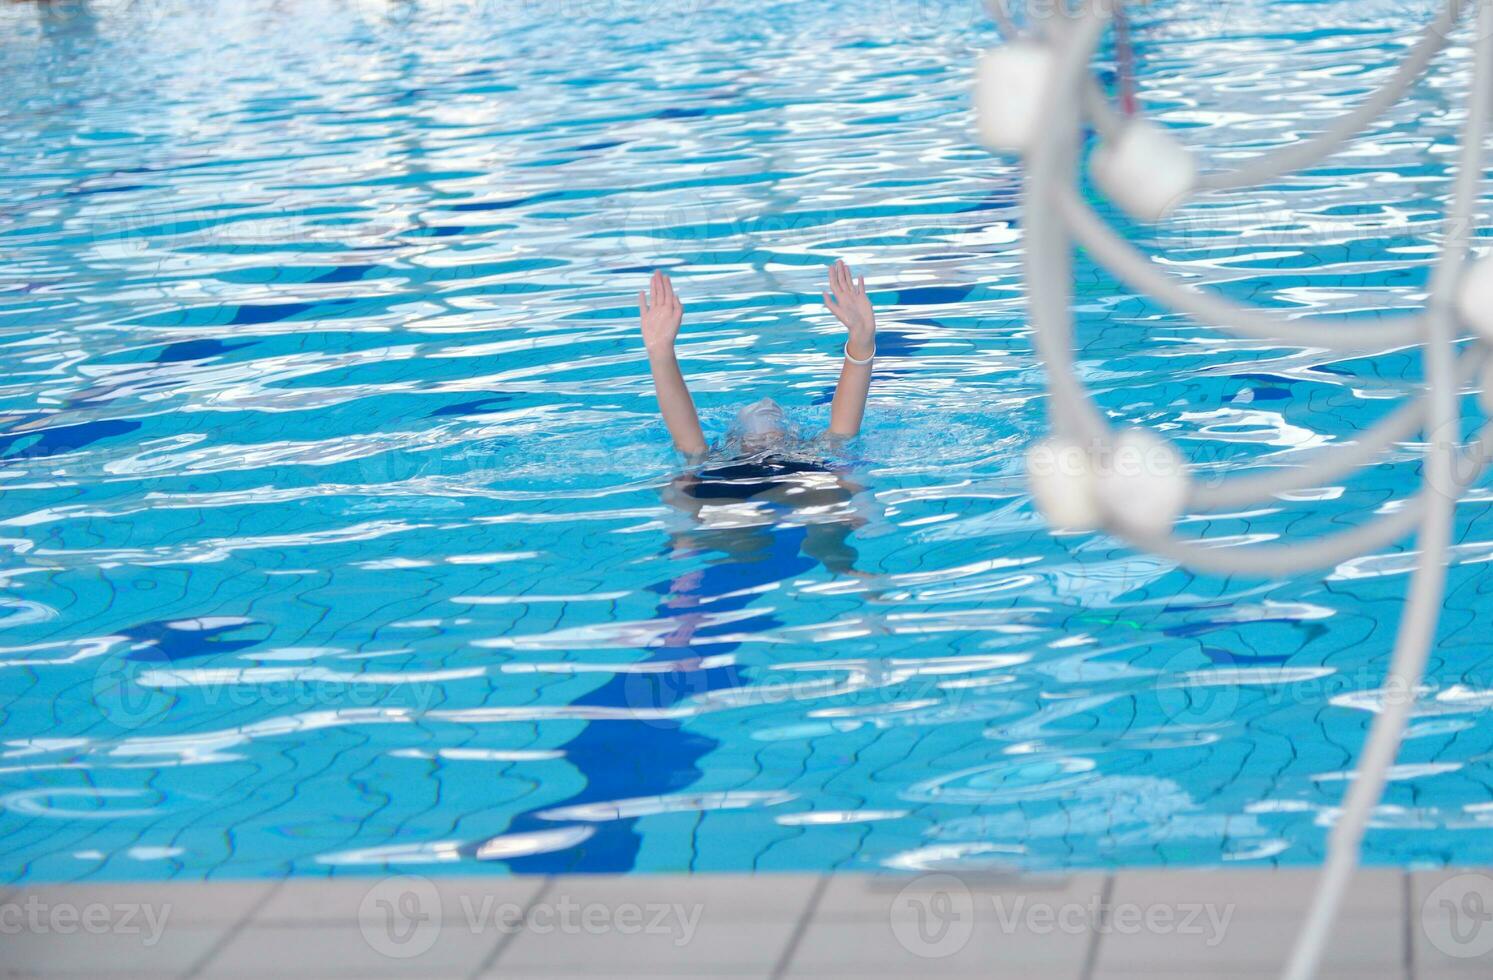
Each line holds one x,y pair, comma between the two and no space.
773,508
761,426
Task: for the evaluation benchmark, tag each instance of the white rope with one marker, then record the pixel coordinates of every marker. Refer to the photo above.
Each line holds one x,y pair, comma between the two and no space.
1047,255
1002,18
1417,630
1344,335
1333,462
1057,218
1298,156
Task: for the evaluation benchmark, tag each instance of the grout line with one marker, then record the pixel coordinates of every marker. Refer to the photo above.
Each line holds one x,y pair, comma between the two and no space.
1091,955
812,909
1408,894
232,931
491,959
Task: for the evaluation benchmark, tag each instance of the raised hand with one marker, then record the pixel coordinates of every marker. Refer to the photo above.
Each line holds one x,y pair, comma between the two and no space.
661,313
852,308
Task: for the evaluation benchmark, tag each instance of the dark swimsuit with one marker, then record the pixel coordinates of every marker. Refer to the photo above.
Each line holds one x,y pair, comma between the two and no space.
744,479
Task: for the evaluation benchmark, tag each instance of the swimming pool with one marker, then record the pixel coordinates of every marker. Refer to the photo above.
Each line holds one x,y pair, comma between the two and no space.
341,532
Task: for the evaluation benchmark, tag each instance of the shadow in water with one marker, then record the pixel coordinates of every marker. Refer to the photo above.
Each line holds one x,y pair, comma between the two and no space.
754,522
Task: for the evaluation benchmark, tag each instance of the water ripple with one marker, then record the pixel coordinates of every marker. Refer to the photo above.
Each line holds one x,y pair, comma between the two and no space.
337,508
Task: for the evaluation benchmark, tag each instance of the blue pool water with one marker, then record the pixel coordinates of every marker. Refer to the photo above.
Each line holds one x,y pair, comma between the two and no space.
338,530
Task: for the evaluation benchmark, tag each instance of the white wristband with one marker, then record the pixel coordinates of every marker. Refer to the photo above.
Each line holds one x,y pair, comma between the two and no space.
857,360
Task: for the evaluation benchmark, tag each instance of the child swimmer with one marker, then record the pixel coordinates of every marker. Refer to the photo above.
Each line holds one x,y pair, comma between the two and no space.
800,511
761,429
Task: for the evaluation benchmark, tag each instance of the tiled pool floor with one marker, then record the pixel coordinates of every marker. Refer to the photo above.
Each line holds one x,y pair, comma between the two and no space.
1135,923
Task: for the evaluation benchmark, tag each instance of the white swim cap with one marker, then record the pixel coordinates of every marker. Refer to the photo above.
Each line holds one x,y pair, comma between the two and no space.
761,420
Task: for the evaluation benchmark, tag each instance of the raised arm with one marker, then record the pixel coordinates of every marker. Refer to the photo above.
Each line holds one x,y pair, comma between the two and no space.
851,307
661,314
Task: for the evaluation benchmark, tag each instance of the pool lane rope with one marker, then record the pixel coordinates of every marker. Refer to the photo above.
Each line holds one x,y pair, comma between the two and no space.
1033,96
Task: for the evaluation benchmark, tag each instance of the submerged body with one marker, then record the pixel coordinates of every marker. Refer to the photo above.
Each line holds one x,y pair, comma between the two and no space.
756,521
